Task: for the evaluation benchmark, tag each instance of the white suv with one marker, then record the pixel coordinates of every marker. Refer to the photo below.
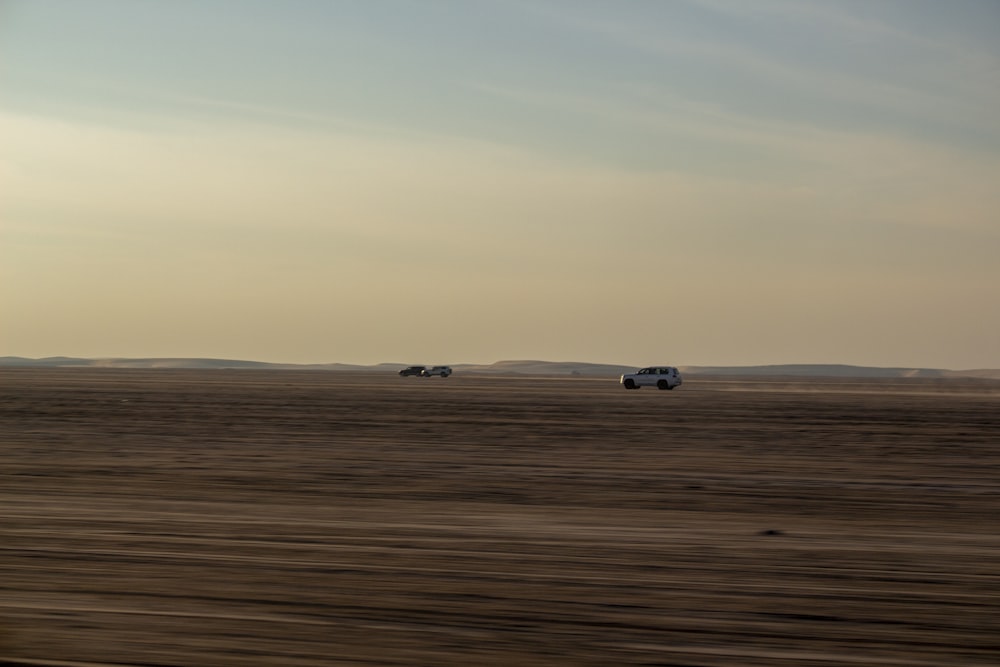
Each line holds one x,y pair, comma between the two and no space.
443,371
661,377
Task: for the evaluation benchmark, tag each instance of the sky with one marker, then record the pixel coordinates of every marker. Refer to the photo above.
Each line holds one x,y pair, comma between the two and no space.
685,182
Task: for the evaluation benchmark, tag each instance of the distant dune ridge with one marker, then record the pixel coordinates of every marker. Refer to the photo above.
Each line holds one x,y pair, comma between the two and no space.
516,367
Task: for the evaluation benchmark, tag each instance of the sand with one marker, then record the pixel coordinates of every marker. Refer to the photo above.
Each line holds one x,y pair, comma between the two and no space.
296,518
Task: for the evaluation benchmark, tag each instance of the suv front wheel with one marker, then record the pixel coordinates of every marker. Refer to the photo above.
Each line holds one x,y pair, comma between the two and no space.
630,384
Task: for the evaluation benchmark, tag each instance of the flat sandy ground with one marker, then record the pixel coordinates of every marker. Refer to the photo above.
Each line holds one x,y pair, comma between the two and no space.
245,518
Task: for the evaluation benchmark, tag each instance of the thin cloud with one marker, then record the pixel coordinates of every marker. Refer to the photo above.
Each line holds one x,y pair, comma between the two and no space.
948,85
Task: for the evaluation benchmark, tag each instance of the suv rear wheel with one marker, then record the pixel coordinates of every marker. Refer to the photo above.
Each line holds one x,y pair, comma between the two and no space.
662,384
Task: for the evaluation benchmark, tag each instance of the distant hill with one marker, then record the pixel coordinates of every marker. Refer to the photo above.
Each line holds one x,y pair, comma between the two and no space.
819,370
516,367
177,362
532,367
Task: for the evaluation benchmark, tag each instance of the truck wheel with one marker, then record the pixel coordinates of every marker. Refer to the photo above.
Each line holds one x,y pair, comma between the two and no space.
629,383
662,384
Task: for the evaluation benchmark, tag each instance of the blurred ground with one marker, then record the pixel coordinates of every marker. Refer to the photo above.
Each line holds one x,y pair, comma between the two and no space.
217,518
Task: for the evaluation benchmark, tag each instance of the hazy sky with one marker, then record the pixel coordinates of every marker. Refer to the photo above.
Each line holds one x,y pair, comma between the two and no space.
658,181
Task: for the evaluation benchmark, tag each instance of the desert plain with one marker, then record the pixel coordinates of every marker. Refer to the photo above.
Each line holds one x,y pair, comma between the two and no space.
306,518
